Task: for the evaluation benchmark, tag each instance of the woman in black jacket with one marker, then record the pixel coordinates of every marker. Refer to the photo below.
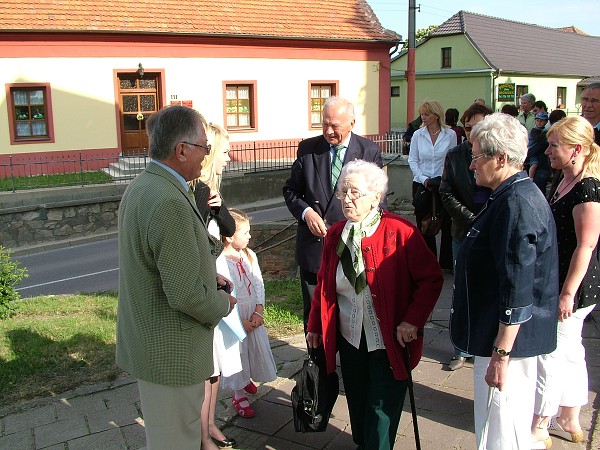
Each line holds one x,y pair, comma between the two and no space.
219,223
461,196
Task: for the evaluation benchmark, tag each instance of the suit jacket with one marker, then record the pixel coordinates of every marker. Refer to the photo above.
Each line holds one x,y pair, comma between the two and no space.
310,185
168,300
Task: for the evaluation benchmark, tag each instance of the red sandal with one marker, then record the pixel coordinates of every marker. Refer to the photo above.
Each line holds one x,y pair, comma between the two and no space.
251,388
247,411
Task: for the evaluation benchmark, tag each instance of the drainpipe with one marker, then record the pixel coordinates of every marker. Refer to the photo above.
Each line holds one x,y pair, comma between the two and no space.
410,72
494,78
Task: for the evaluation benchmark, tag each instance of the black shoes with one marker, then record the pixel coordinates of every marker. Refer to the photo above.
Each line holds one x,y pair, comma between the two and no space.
225,443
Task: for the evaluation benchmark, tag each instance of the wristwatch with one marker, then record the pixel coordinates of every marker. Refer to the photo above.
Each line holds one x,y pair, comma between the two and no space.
501,351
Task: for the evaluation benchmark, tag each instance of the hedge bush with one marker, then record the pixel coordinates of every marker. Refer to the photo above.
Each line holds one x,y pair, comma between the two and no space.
10,276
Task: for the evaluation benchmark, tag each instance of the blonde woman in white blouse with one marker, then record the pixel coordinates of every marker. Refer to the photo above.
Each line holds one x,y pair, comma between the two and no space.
428,149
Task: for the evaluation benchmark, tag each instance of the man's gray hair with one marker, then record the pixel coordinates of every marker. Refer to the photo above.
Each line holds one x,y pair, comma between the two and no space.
594,85
336,102
375,176
501,134
170,126
529,98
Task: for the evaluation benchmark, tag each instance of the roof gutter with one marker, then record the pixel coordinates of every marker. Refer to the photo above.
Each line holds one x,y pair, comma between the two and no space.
446,72
199,35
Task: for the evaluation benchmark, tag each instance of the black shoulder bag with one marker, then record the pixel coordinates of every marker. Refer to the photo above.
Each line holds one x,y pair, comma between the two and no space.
315,393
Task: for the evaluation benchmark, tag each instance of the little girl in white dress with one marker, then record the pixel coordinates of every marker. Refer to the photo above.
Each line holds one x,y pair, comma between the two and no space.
257,360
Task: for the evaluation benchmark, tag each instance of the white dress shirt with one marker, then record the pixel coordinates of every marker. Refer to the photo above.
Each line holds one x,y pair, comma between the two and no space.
425,159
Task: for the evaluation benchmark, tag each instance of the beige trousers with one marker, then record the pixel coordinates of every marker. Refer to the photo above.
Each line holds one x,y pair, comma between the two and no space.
171,415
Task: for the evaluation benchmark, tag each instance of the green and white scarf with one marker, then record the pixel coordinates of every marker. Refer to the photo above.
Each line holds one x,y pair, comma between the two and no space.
349,249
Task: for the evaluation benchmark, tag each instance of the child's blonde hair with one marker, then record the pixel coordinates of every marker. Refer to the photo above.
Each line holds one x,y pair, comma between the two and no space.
239,217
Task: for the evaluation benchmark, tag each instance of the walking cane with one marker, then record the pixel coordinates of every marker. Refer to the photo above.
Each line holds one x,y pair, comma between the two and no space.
411,392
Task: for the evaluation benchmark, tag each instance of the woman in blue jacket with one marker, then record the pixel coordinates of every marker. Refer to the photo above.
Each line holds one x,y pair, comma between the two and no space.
504,308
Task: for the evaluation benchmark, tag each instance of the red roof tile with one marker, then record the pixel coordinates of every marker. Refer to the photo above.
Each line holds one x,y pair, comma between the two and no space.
573,29
347,20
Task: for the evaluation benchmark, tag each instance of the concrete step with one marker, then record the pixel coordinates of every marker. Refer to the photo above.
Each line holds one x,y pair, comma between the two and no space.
127,167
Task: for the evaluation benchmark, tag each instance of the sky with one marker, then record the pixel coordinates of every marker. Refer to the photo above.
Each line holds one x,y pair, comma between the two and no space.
583,14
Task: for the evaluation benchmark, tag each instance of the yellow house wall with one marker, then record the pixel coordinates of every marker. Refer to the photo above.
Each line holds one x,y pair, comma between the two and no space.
545,88
452,92
429,55
83,94
475,80
282,91
82,102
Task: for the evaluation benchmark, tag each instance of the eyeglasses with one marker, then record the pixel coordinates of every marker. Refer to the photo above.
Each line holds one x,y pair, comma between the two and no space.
352,194
206,147
481,155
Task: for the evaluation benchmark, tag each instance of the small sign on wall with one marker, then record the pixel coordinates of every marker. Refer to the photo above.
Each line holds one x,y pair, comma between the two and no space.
506,92
187,103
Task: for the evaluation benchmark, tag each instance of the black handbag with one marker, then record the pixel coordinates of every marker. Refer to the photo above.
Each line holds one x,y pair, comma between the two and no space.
432,222
315,393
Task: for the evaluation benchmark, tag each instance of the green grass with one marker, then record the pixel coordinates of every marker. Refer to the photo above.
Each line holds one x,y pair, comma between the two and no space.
55,343
284,308
59,342
56,180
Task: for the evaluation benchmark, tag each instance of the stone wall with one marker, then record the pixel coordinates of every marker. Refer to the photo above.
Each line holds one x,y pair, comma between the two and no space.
30,218
40,225
275,246
38,219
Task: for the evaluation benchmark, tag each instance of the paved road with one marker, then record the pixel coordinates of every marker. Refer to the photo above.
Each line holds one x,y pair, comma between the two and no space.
91,267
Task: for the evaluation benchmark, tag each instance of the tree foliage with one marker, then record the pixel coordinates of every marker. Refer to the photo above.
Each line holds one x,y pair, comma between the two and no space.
10,276
421,34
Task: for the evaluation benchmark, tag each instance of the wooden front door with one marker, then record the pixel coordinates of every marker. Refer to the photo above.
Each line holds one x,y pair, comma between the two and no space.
138,100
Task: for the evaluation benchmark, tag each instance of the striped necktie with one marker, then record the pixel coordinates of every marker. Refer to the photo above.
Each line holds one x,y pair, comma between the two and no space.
353,269
336,164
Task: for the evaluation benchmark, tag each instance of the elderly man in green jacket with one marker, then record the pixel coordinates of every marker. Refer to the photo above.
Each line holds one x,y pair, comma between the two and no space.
168,297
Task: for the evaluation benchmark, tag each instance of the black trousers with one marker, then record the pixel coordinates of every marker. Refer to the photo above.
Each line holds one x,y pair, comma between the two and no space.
445,259
375,398
308,282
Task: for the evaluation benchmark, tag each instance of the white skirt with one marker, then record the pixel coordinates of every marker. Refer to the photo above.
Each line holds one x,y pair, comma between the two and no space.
257,359
226,351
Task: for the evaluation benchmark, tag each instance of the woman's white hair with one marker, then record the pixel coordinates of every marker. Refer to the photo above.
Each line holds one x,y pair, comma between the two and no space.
501,134
375,176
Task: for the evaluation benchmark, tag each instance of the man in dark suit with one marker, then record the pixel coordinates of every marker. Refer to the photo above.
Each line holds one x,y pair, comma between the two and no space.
309,191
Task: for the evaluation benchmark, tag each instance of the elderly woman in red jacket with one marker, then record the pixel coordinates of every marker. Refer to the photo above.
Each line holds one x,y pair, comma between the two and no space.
376,287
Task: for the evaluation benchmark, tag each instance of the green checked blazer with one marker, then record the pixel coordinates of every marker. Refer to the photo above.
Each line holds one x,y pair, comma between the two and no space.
168,298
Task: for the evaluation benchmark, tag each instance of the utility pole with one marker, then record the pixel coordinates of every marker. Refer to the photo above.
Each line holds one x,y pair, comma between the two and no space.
410,72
